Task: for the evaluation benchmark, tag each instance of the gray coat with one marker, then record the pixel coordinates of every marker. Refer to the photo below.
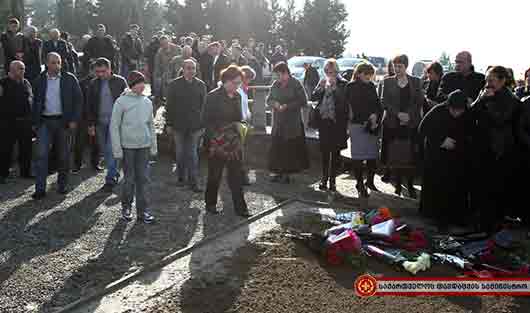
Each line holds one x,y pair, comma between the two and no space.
288,124
390,99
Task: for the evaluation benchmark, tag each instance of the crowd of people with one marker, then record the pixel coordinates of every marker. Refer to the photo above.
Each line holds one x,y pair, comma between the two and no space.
466,134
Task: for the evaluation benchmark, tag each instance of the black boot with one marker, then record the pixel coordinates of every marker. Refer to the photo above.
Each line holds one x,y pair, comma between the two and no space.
412,190
332,184
370,181
361,189
399,188
387,176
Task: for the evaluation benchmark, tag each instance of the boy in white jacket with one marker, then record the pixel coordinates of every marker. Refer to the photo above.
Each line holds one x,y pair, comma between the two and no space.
133,140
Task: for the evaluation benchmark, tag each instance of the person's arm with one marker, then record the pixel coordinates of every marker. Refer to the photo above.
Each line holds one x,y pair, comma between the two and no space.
171,103
273,98
151,123
318,92
115,133
415,111
204,97
77,100
445,88
524,125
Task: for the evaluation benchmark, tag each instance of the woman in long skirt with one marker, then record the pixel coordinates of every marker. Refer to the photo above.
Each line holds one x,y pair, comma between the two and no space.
288,154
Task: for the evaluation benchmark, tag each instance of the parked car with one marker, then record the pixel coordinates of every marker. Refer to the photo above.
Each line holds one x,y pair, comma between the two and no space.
347,66
296,66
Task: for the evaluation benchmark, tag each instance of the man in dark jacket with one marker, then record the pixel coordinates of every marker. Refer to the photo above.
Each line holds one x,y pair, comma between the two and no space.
12,42
185,106
131,51
100,46
73,57
55,113
464,78
59,46
15,120
278,56
150,53
102,93
83,140
215,63
32,54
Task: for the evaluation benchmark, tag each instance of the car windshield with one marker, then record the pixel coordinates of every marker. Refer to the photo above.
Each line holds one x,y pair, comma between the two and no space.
299,62
347,63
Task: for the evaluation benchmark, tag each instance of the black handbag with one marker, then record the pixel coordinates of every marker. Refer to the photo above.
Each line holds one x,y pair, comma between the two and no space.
314,117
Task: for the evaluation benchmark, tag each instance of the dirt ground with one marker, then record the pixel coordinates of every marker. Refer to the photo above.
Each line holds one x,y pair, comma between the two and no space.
279,274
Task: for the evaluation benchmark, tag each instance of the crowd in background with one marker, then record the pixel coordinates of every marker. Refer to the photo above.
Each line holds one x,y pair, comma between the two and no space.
465,133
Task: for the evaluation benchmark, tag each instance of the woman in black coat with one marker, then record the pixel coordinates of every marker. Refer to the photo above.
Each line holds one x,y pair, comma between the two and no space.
330,94
495,117
365,117
444,134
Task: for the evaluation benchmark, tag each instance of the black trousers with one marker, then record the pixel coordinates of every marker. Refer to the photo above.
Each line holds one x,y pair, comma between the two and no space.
358,170
216,167
11,132
82,142
330,164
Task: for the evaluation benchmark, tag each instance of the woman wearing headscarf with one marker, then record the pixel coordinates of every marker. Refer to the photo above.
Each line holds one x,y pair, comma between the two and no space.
402,99
330,94
445,167
288,153
365,117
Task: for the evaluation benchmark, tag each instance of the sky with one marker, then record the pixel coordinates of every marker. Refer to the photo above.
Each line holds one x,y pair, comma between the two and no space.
495,32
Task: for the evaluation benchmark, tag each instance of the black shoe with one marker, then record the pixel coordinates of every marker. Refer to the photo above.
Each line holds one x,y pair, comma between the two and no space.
371,186
107,188
363,193
276,178
285,179
97,168
332,185
243,213
76,170
246,181
387,177
63,191
398,190
38,195
412,192
212,210
323,184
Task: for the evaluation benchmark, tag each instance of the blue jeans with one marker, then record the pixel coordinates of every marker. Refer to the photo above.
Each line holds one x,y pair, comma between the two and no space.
105,145
52,131
135,179
186,147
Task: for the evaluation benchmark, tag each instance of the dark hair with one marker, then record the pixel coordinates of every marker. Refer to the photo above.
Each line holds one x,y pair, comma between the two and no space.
401,59
281,67
510,81
100,62
65,35
13,20
390,69
457,99
500,72
135,78
231,73
527,74
436,68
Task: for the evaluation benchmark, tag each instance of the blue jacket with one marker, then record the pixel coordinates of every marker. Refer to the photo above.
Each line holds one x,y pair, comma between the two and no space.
71,98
